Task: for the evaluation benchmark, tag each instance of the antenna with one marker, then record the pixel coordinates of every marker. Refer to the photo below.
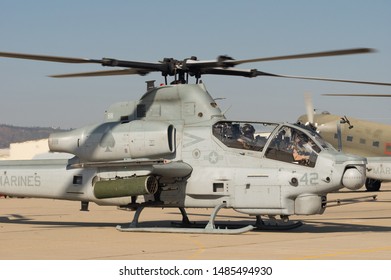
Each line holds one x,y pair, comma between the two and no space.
150,84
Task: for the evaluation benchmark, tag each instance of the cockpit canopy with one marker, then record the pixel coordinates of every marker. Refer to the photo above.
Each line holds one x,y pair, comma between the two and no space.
241,135
287,143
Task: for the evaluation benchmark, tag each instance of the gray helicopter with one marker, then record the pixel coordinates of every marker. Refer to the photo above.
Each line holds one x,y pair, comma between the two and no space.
175,148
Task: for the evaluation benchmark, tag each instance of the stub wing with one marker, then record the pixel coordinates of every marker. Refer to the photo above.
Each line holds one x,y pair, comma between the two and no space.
160,167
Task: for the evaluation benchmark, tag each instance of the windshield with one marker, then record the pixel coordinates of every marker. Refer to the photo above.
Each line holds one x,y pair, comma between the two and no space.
293,145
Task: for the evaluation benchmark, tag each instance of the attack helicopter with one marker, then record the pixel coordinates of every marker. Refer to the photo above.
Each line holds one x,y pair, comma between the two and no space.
175,148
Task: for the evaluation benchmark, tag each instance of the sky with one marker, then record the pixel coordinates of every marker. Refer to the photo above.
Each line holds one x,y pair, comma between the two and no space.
150,30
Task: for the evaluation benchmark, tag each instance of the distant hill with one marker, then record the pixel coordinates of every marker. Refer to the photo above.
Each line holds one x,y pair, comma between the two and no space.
15,134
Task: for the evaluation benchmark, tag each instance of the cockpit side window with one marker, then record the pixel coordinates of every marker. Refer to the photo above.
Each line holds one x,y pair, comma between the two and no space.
243,135
294,146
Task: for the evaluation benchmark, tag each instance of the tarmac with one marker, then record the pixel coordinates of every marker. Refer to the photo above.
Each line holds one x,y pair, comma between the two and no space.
45,229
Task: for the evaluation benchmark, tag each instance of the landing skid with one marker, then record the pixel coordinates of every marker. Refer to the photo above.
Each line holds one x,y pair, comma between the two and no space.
271,224
187,230
210,228
186,226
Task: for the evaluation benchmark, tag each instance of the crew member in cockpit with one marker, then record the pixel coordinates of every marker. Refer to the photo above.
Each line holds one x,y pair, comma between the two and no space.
247,137
299,152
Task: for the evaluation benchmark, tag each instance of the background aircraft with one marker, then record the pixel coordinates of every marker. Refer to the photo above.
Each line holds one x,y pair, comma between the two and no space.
356,136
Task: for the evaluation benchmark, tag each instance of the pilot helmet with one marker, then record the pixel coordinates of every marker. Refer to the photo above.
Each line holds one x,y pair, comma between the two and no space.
248,129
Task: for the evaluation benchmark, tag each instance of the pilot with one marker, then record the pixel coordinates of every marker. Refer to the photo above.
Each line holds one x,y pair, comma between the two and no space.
247,137
299,152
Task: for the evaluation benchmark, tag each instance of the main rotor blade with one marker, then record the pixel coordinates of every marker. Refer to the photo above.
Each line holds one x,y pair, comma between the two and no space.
251,73
49,58
201,64
357,94
259,73
131,71
304,55
225,61
104,61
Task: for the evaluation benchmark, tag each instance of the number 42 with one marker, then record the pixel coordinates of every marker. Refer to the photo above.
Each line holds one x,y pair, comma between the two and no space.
310,179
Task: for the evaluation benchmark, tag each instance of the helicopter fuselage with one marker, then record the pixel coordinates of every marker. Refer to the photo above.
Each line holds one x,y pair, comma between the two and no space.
175,148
